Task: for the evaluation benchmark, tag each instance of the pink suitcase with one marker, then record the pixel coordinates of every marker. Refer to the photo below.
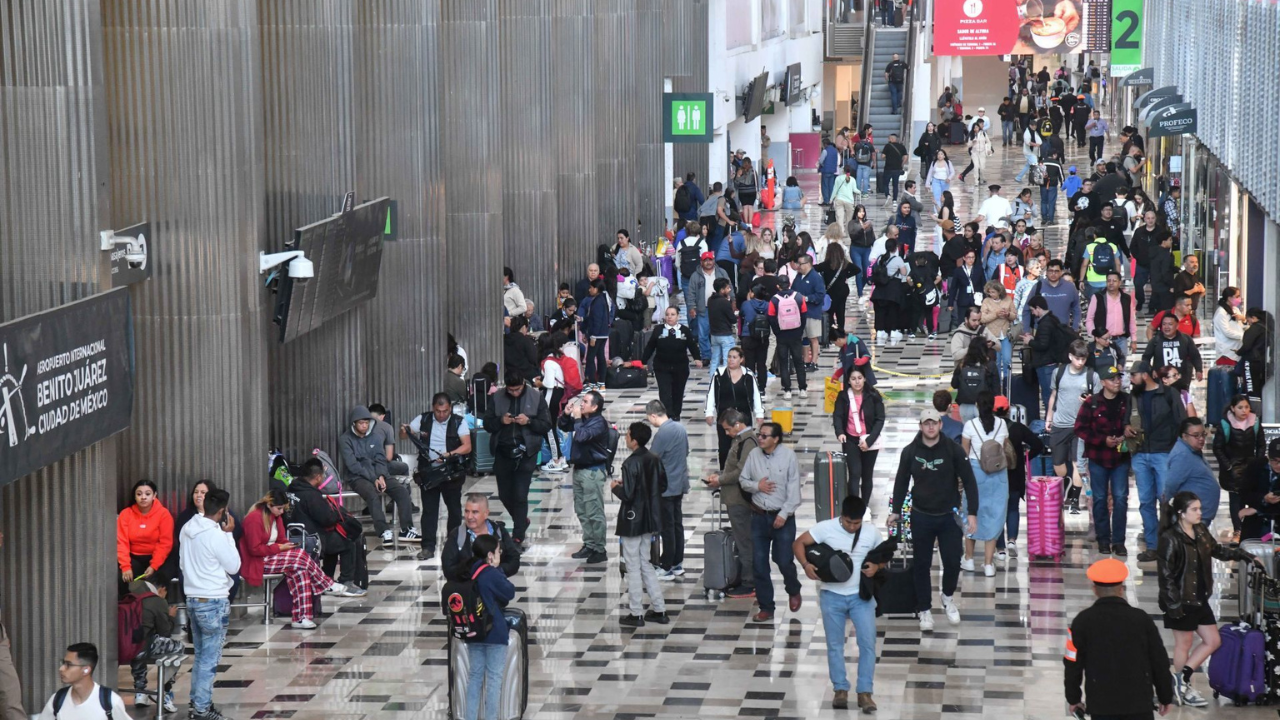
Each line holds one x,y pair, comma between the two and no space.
1045,534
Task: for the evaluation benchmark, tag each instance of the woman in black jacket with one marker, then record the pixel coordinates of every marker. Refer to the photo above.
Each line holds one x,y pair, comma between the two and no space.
732,386
975,373
1255,347
836,271
1237,439
927,149
1184,564
519,352
858,421
673,344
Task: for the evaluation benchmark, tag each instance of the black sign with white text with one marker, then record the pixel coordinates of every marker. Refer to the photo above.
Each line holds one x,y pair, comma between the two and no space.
66,381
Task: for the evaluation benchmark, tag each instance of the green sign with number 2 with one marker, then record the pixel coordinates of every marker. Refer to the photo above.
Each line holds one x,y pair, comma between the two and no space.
1126,37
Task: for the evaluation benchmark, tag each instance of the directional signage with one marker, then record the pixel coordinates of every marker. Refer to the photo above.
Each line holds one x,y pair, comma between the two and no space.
1146,77
1180,119
687,117
1126,37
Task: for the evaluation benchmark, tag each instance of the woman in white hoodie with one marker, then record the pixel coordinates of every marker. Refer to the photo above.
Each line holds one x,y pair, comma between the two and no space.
1228,326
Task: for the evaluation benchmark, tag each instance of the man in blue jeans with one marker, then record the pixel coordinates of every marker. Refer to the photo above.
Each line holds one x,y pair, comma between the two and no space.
772,475
1161,411
1102,423
208,558
697,292
840,601
828,166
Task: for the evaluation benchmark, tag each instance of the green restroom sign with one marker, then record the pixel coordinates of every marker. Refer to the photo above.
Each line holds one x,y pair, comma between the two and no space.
687,117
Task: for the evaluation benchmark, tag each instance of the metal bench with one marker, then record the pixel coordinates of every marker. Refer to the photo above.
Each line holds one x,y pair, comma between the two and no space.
268,580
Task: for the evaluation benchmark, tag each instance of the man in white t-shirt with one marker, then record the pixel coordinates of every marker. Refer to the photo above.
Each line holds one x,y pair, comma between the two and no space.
82,698
840,601
995,210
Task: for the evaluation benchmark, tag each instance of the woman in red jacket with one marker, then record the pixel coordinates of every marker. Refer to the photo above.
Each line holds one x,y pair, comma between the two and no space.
144,534
265,550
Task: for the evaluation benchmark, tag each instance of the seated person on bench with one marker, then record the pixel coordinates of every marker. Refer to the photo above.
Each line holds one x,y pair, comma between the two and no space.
362,448
341,536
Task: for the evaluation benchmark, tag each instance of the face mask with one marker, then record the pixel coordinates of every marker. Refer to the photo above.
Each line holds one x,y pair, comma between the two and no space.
1237,302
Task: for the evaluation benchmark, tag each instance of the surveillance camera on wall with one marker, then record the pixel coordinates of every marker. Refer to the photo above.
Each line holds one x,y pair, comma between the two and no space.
301,270
132,248
298,267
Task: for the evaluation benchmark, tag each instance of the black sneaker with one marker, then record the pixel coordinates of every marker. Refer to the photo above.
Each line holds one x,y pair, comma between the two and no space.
657,617
426,553
1119,551
1104,548
634,621
597,557
582,554
210,714
1147,556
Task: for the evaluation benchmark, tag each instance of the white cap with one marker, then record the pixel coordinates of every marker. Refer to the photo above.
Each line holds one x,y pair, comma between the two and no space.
982,109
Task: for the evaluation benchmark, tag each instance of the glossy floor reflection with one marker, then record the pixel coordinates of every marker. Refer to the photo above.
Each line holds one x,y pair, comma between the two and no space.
384,656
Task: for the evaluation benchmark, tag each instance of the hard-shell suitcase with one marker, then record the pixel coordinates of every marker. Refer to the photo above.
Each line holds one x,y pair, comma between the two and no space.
830,484
481,455
514,698
956,133
1237,669
1249,604
897,595
1045,534
720,568
1218,393
282,601
620,339
640,339
478,396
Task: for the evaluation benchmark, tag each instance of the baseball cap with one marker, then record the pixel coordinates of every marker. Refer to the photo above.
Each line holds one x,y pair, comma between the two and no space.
1273,449
1072,169
1109,372
708,255
930,414
1002,402
1140,366
993,188
1108,572
982,109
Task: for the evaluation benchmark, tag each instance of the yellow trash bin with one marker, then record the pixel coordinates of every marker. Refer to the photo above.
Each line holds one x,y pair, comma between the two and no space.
784,417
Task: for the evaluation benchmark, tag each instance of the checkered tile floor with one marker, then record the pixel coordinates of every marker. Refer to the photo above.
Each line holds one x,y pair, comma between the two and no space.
384,656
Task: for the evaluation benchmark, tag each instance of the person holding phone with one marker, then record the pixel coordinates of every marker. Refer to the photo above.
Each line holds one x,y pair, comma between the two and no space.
266,550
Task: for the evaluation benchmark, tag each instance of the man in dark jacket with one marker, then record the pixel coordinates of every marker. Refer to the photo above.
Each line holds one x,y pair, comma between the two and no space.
933,467
1160,412
640,490
456,555
589,455
518,350
1163,273
1260,494
157,620
364,460
517,423
1117,651
443,440
341,537
1172,347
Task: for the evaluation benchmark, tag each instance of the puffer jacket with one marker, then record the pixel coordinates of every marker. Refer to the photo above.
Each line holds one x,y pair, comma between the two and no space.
1234,448
872,415
1185,568
643,482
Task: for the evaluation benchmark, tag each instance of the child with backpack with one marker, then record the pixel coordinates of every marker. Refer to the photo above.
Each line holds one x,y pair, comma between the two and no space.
144,615
484,595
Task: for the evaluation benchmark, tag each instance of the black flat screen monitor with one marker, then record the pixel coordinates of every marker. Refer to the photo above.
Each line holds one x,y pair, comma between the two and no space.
755,97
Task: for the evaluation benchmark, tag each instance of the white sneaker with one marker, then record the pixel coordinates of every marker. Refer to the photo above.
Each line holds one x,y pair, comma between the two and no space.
387,536
949,607
353,591
1012,548
1002,556
304,624
882,337
966,564
1192,698
786,394
804,394
141,699
895,337
989,570
336,589
926,621
665,575
169,705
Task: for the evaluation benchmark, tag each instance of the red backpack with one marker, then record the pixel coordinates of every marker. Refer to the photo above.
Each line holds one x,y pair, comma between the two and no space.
130,639
572,376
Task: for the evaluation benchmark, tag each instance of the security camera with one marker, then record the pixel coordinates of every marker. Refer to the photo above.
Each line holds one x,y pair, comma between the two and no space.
134,248
300,269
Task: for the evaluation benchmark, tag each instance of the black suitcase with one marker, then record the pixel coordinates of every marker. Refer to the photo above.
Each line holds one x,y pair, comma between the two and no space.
620,339
478,400
514,698
640,339
625,377
897,596
956,130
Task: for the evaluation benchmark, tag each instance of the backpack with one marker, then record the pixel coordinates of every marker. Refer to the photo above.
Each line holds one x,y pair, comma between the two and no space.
788,311
991,454
1046,128
760,326
611,449
469,619
880,271
1103,258
131,641
971,380
104,699
683,202
572,376
1088,377
689,255
862,152
332,484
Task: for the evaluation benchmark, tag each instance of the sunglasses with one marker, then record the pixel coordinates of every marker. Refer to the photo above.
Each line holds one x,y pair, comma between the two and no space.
764,436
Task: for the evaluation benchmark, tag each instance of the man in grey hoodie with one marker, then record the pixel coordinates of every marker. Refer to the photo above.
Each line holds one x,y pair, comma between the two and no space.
364,462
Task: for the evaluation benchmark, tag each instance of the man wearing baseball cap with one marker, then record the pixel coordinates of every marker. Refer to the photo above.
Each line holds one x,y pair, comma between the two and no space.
1260,494
696,293
1101,423
932,467
1116,650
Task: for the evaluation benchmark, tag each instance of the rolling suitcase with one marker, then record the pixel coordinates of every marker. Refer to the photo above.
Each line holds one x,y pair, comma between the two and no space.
830,484
1249,604
478,396
514,699
1042,464
720,569
897,595
1237,669
481,455
1221,386
620,339
1045,534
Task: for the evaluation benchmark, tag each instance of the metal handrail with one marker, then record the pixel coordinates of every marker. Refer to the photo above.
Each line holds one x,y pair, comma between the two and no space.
909,81
868,58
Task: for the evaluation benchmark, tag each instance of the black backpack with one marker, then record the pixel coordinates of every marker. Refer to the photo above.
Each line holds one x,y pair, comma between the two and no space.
104,699
689,255
611,449
683,203
1103,258
469,619
971,381
880,273
863,151
760,326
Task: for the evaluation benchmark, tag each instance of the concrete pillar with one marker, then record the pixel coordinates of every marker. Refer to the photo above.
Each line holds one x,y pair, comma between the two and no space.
573,131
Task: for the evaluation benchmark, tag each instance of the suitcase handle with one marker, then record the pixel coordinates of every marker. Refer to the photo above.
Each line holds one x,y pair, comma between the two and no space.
717,514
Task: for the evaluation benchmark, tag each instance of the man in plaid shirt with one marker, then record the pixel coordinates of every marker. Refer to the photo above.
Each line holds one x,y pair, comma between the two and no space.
1101,424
